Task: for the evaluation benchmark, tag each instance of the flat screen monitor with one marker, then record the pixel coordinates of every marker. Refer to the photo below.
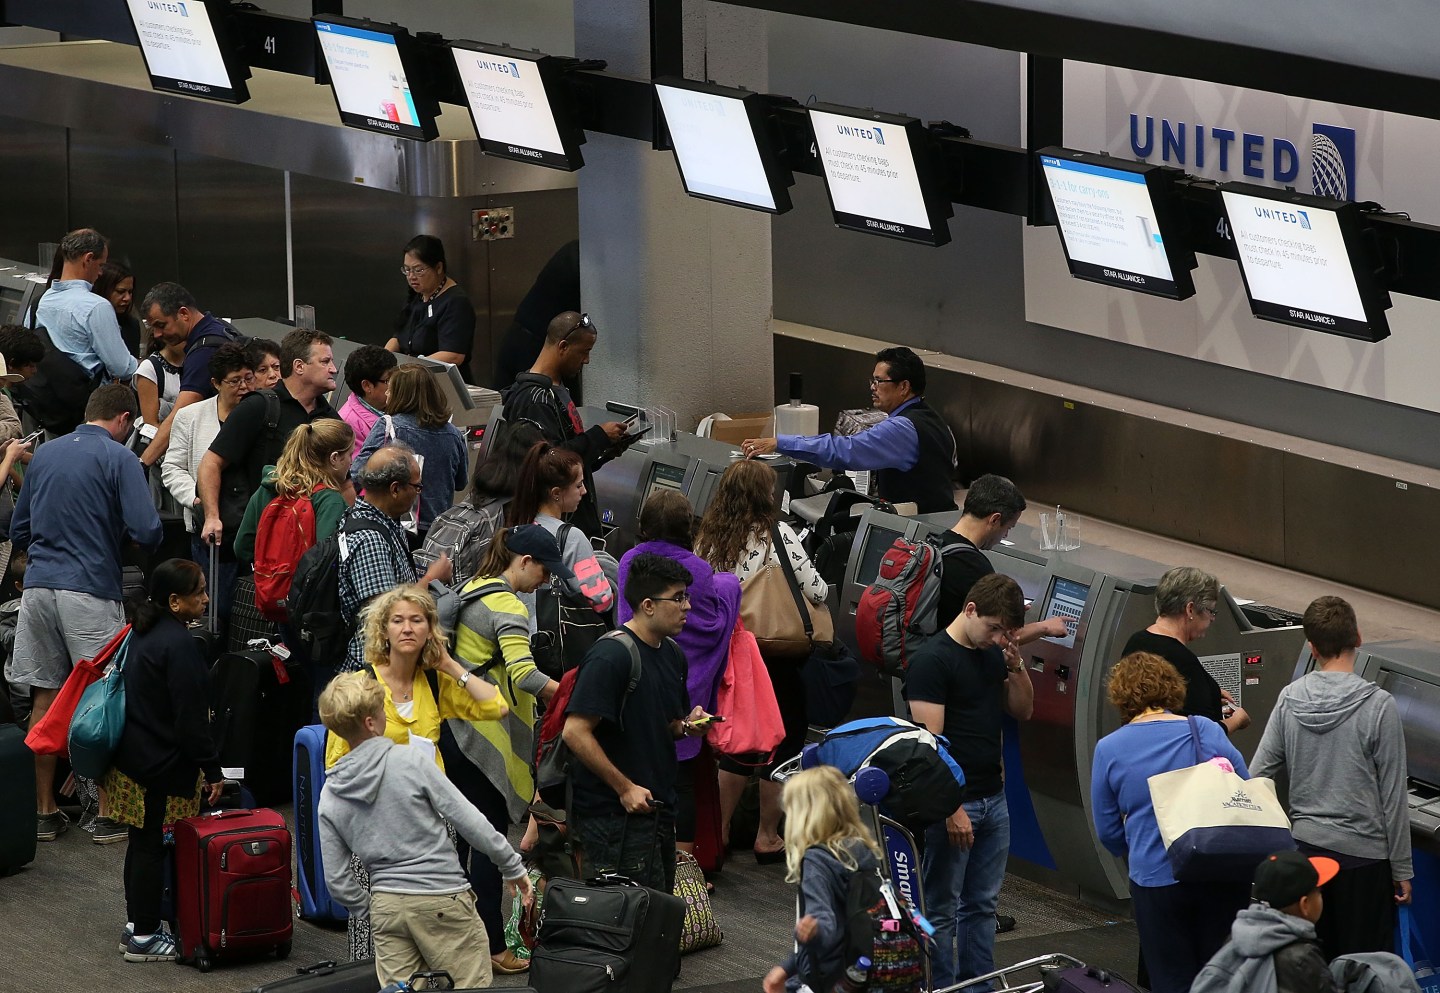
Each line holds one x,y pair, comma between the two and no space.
883,173
1305,262
1418,702
723,146
702,491
664,476
1066,600
186,49
1118,222
518,105
373,73
877,542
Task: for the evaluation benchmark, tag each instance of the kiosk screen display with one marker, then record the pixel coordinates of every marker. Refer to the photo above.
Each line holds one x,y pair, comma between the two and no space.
1301,258
1113,224
371,84
514,107
720,143
664,476
1067,602
1419,704
182,51
879,181
877,543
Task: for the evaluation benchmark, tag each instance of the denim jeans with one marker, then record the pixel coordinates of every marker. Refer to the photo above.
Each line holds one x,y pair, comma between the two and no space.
962,890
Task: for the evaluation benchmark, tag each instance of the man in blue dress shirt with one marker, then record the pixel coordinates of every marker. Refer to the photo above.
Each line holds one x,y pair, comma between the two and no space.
83,324
912,451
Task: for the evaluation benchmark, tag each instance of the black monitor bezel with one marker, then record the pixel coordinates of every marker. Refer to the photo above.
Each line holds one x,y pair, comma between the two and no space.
1160,184
929,173
1374,297
416,75
236,68
552,72
777,176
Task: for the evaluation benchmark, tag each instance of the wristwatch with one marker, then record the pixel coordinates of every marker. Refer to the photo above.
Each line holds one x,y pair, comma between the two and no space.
463,679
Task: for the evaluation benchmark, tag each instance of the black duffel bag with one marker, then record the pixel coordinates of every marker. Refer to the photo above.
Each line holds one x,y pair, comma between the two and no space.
57,392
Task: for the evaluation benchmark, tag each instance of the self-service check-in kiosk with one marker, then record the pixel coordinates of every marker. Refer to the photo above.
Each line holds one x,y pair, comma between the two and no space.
1104,596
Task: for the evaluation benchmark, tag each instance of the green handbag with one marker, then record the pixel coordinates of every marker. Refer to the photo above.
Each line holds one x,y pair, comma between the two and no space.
100,719
700,929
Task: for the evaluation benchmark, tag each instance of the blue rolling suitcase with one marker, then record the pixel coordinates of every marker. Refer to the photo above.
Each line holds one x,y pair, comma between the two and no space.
315,902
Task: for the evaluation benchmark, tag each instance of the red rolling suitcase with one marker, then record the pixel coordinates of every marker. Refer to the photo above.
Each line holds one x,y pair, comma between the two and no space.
232,885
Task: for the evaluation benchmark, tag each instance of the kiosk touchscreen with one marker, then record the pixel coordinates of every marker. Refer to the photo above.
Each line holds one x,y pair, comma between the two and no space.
186,49
722,144
373,75
1305,263
518,105
664,476
1118,222
1066,600
882,172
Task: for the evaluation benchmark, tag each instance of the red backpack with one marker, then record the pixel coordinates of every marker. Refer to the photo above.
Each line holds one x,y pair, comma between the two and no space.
286,531
898,612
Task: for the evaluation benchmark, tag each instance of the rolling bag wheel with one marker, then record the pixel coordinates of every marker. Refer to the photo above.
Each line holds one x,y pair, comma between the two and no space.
282,950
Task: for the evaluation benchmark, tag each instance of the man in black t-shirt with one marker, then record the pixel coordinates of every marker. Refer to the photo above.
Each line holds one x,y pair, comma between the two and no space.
623,782
960,684
993,506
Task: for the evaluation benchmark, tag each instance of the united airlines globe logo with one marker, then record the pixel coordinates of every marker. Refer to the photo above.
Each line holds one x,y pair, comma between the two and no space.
1327,168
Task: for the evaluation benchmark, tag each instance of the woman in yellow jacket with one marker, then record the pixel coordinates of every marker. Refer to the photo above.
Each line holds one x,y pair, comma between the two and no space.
424,687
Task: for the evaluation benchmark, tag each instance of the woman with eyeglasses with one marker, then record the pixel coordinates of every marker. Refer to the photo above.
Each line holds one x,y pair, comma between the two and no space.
1186,601
438,320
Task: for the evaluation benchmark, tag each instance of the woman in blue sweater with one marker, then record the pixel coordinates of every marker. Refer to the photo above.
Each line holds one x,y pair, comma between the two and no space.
1181,924
166,758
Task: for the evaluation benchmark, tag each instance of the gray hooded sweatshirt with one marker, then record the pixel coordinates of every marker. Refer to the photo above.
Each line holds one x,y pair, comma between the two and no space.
1339,741
1269,951
385,803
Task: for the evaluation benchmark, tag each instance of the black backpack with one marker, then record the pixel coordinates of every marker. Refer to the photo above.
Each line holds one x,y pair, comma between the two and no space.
57,392
877,925
316,617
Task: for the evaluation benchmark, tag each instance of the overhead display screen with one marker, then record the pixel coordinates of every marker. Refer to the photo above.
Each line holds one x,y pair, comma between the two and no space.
1303,262
721,145
1115,223
516,105
882,177
368,75
183,51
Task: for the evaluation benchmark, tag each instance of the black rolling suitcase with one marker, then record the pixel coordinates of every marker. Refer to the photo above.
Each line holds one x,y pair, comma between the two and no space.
17,800
327,977
258,701
607,936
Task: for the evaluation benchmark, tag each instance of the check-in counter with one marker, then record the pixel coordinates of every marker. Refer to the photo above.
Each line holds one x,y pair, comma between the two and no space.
1104,596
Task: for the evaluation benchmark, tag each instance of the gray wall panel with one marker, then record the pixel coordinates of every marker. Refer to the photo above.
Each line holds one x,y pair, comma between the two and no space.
232,236
127,191
33,188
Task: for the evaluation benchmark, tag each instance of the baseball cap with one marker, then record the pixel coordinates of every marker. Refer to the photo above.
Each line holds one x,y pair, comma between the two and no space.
533,540
1284,877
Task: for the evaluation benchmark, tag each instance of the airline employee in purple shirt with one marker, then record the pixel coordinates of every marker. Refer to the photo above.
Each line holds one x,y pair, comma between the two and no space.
912,451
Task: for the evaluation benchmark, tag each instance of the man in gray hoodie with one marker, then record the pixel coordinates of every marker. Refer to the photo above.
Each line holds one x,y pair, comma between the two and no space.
388,805
1339,740
1272,946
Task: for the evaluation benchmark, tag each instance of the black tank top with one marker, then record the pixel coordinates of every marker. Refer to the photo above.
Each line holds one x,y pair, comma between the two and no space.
929,484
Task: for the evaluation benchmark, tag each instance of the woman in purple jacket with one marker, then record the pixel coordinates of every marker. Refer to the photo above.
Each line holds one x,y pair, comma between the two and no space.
666,523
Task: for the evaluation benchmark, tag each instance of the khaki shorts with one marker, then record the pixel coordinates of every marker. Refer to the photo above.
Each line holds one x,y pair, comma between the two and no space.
418,932
55,629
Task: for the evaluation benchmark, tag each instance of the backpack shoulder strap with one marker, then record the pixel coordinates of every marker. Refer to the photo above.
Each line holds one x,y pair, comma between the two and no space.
272,411
433,678
632,643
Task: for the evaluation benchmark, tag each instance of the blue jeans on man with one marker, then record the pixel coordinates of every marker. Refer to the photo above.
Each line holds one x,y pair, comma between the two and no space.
962,890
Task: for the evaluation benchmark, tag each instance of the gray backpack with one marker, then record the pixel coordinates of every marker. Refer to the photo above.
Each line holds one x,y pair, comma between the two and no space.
463,532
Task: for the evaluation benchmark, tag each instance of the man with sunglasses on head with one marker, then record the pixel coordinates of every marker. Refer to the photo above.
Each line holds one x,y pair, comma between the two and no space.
912,451
541,398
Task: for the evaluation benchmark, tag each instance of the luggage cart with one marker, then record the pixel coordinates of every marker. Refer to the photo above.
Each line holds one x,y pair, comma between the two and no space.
903,860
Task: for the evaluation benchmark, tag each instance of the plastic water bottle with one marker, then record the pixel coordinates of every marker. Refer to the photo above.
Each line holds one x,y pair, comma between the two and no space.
856,978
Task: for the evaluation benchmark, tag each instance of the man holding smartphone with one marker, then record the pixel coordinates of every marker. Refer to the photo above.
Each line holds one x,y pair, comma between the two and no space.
623,807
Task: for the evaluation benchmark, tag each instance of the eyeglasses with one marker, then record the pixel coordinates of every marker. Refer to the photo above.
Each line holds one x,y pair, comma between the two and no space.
413,270
417,487
677,598
876,380
1206,608
236,381
584,322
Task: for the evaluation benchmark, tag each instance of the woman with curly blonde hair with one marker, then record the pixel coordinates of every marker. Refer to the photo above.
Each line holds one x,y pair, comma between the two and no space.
825,844
1181,924
737,535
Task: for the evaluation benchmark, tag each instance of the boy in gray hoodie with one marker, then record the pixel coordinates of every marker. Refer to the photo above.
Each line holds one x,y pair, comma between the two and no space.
388,806
1339,740
1272,946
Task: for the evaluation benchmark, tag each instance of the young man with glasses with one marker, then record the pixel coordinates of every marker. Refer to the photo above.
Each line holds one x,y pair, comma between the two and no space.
541,398
912,451
623,738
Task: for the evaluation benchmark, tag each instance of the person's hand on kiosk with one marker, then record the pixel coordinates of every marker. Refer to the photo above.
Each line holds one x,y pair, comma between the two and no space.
1053,627
1236,718
752,447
